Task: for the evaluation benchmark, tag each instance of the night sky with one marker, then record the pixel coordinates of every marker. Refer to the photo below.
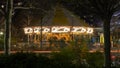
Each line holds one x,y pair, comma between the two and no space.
46,5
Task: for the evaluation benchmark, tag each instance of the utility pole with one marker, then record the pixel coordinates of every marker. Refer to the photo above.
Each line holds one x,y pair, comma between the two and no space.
8,16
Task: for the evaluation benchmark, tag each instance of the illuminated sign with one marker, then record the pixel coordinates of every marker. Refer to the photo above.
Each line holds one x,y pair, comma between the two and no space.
58,29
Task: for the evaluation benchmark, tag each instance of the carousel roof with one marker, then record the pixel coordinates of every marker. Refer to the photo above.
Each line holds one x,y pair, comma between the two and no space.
59,16
60,20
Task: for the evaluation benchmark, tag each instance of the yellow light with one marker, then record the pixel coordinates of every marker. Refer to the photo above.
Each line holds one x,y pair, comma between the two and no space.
101,38
56,29
89,30
60,29
1,33
46,30
80,30
37,30
28,30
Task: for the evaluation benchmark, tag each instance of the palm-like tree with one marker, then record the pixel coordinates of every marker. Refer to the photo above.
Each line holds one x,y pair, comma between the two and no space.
102,9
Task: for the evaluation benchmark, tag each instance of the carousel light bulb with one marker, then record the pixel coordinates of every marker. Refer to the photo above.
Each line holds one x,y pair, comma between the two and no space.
89,30
28,30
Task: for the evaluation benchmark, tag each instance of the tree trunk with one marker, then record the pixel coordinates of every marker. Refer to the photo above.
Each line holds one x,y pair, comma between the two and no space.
107,44
8,27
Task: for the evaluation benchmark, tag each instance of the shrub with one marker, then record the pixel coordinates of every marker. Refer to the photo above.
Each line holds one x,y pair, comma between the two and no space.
95,60
24,60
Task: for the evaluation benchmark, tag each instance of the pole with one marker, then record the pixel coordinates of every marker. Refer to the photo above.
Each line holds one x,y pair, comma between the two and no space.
71,29
41,33
28,23
8,16
28,40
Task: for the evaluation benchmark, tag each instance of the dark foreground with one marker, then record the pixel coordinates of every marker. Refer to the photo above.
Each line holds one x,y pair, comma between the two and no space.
64,59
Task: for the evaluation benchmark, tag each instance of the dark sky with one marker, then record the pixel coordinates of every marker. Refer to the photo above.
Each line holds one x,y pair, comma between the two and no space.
90,19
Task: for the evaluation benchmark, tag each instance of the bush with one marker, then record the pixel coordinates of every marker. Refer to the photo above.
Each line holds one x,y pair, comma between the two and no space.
24,60
95,60
31,60
19,60
62,60
69,57
75,55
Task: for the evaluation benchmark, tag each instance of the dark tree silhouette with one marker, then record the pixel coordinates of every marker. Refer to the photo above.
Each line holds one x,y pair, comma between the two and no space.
13,9
101,9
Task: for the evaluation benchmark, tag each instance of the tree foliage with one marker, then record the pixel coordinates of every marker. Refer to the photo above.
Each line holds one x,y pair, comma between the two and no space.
102,9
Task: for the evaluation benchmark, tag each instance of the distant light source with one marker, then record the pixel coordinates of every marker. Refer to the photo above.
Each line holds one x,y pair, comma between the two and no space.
28,30
2,6
1,33
60,29
19,3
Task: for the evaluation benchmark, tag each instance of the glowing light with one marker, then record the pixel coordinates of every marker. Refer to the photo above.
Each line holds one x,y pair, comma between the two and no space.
56,29
89,30
60,29
45,29
101,38
79,29
28,30
1,33
2,6
37,30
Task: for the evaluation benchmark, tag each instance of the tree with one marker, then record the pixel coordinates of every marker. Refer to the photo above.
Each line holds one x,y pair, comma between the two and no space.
10,10
8,17
35,14
103,10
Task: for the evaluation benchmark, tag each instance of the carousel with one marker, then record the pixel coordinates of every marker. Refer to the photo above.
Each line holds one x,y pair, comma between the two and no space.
62,26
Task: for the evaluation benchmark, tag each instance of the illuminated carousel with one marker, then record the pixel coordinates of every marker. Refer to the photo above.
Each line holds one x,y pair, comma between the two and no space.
62,26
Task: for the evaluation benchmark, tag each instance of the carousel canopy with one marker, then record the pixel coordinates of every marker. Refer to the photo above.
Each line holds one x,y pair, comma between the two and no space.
59,16
60,20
